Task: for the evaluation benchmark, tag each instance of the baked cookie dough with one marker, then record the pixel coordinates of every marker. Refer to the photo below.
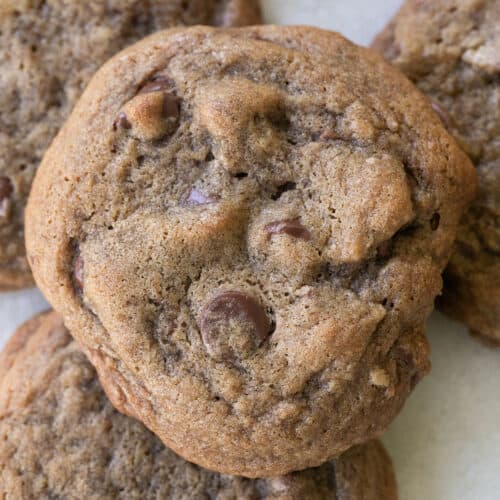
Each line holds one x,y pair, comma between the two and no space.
61,438
245,231
48,52
451,50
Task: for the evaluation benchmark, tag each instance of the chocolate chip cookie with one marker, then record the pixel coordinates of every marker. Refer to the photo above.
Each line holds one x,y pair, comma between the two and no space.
245,230
451,50
61,438
48,52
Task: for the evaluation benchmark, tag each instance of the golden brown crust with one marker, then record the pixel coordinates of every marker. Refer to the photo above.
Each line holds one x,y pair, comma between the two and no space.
60,437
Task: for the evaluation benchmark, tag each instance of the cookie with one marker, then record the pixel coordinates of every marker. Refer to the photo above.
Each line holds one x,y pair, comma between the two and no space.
61,438
451,50
245,230
48,52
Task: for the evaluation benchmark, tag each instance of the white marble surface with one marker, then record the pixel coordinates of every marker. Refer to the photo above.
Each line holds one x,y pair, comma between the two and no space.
446,442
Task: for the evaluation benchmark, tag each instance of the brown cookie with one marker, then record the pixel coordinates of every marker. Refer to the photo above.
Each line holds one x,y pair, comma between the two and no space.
48,52
245,230
451,50
61,438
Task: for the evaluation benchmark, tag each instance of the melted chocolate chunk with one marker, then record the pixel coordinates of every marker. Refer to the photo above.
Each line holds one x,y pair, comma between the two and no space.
78,273
121,122
171,103
197,197
292,227
157,84
233,325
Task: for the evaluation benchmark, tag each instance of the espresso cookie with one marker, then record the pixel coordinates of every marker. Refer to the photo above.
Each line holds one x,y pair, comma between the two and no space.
48,52
61,438
451,50
245,230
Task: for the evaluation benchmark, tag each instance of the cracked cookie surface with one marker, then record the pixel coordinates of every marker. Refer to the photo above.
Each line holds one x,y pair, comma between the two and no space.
245,230
48,52
451,50
60,437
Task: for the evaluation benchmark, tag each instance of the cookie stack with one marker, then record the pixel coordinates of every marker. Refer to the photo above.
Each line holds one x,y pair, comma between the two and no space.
244,231
451,50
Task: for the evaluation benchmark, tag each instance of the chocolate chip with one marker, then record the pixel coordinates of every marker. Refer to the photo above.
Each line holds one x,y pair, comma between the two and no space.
435,221
6,190
233,325
157,84
292,227
78,273
121,122
197,197
171,103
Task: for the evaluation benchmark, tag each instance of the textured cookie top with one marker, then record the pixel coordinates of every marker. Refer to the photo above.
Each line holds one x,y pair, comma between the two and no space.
61,438
245,230
48,52
451,50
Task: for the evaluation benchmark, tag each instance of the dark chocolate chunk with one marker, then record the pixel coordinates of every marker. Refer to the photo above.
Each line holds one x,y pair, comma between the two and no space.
171,103
292,227
233,325
157,84
121,121
78,273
